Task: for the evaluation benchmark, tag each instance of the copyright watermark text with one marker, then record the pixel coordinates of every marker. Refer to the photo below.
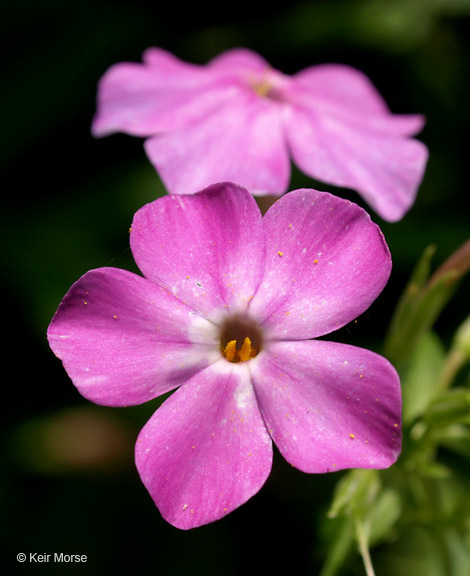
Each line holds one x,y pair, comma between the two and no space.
38,558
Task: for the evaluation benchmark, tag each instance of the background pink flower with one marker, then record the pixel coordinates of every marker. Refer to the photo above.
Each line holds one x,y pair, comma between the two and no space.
226,311
238,119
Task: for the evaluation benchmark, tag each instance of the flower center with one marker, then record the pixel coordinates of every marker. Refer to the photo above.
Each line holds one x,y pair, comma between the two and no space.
240,339
262,87
266,87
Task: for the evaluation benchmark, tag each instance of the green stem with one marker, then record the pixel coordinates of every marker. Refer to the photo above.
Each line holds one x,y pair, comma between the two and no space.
455,360
363,546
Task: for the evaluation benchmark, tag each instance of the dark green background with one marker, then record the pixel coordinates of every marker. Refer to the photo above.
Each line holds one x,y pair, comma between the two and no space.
67,203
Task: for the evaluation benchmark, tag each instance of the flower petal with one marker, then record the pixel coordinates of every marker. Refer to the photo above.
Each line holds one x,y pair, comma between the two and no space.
161,94
242,142
364,153
206,450
342,91
329,406
326,262
239,61
123,340
207,249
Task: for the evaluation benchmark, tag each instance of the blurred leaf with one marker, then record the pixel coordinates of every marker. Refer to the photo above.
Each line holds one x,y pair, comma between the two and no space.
355,492
455,438
432,469
417,553
362,513
462,338
402,24
402,320
423,552
340,546
353,496
422,302
458,356
458,262
420,381
423,309
452,407
383,515
458,553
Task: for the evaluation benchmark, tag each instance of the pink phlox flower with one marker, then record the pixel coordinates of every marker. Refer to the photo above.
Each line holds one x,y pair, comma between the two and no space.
237,119
228,311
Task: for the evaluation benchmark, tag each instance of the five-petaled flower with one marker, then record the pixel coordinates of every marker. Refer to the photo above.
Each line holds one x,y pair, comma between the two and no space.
239,120
228,311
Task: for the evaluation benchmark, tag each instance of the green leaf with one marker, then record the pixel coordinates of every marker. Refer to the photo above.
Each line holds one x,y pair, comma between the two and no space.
418,552
383,515
420,380
340,546
355,492
354,495
422,301
433,469
458,356
451,407
402,321
462,338
458,553
455,438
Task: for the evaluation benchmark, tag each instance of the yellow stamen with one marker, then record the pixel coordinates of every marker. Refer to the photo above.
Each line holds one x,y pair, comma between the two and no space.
246,352
231,350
